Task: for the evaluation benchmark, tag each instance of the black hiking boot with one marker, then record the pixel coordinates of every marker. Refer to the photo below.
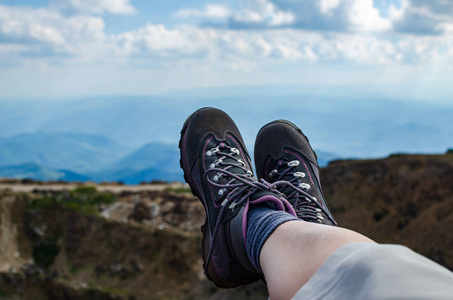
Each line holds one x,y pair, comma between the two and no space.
284,157
217,167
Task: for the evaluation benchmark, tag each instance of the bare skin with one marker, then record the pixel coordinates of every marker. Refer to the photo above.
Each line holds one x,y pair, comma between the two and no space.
296,250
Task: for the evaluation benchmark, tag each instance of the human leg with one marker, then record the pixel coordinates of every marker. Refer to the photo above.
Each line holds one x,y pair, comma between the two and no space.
217,167
296,250
284,157
326,261
371,271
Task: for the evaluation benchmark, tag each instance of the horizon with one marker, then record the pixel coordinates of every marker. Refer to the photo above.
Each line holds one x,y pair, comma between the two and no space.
159,118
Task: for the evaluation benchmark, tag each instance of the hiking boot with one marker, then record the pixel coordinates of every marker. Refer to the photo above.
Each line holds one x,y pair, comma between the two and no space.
217,167
284,158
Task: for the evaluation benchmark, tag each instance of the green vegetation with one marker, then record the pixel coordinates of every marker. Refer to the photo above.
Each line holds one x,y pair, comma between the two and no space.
45,252
178,190
89,195
450,151
84,199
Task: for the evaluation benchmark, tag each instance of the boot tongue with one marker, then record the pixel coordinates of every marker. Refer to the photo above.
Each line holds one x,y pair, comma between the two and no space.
273,201
259,194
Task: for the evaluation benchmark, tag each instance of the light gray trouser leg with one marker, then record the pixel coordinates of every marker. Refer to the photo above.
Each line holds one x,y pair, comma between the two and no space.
369,271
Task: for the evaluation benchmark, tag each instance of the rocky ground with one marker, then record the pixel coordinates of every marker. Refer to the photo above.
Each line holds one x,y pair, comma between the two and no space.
69,241
63,241
404,199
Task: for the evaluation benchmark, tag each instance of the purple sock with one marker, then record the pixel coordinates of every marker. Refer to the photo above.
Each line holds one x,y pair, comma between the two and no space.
262,221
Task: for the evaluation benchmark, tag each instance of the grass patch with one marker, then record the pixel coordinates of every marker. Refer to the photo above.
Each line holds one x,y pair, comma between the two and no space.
178,190
85,199
89,195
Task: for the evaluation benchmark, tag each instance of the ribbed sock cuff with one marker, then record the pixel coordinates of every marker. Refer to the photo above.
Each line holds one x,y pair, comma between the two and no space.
262,221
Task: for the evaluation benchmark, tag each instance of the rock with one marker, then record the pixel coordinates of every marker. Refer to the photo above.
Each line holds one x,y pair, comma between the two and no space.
32,270
140,213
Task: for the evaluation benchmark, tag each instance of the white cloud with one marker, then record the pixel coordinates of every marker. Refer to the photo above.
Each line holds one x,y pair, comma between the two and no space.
290,45
332,15
423,17
263,12
31,34
46,32
157,40
210,11
326,6
364,17
413,16
120,7
283,38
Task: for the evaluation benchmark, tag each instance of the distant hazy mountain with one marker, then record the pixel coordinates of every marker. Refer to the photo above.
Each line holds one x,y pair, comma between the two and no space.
42,156
133,176
358,127
34,171
134,139
153,161
77,152
152,155
46,156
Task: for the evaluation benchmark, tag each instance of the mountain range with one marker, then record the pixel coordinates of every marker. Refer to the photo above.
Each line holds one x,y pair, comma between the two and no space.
134,139
82,157
77,152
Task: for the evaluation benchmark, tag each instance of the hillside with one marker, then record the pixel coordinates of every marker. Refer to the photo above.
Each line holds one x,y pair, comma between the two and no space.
142,242
405,199
149,162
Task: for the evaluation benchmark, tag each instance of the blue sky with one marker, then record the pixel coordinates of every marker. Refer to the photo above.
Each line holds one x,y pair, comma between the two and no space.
400,49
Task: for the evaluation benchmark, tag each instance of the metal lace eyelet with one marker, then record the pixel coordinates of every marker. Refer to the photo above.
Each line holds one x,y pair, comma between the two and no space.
271,174
299,174
305,186
212,151
293,163
216,163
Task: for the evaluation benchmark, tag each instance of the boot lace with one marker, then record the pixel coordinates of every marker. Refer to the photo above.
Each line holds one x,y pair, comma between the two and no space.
235,182
306,206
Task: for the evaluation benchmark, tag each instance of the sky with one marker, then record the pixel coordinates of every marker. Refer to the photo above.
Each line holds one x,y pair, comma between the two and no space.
400,49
